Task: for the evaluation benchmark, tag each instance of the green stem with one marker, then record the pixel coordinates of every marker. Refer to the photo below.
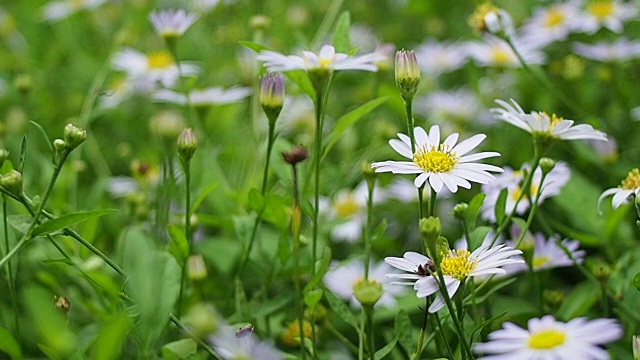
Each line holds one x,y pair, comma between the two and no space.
444,338
193,336
187,232
361,340
372,347
341,337
10,279
367,231
296,264
423,328
316,194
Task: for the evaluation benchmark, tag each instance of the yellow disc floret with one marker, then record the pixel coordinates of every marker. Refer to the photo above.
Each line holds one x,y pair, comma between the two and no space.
632,181
438,159
500,56
539,261
600,9
457,264
159,60
553,18
546,339
346,206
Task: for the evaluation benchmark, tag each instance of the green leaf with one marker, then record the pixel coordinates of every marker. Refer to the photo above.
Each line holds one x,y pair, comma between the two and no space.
301,78
477,237
380,354
312,298
322,269
404,330
254,46
578,302
6,167
44,134
66,221
341,309
203,194
9,345
636,281
180,350
108,345
256,200
20,223
349,119
500,205
472,211
23,154
379,230
341,35
179,246
275,211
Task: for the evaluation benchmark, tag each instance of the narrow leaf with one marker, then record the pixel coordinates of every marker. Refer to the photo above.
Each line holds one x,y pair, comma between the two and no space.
256,200
23,153
341,35
44,134
179,246
341,309
254,46
180,350
472,211
322,269
636,281
500,205
203,194
312,298
404,331
67,220
9,345
380,354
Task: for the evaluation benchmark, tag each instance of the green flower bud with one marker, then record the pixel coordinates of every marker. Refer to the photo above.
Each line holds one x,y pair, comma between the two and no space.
203,319
272,95
430,231
553,298
59,145
460,210
368,292
407,74
369,174
197,269
442,246
601,271
260,22
74,136
187,144
546,165
12,182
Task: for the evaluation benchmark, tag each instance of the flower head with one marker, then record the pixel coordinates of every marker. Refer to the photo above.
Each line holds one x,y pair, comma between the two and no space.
544,126
242,344
548,253
442,164
620,50
155,67
489,18
550,24
436,58
495,52
205,97
327,59
172,24
630,186
272,94
549,339
456,266
610,14
55,11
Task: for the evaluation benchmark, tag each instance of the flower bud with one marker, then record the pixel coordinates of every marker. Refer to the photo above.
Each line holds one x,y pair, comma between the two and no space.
460,210
272,95
59,145
407,74
369,174
196,267
430,231
187,144
12,182
442,246
636,347
489,18
260,22
291,335
546,165
368,292
203,319
74,136
297,154
553,298
4,155
601,271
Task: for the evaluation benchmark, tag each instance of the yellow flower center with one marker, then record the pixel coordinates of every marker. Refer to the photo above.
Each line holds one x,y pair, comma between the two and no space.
553,119
500,56
457,264
553,18
540,261
159,60
476,19
632,181
77,4
346,206
435,159
546,339
600,9
325,62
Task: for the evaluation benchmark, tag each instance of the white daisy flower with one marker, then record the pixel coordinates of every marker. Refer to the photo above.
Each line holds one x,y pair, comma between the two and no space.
550,24
405,191
204,6
541,124
610,14
172,23
204,97
59,10
456,106
124,88
494,52
242,344
549,339
154,67
437,58
619,50
327,59
512,181
630,186
442,164
547,254
341,280
456,266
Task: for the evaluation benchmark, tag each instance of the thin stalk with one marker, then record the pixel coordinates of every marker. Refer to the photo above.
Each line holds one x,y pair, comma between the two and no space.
368,310
363,319
10,279
423,328
316,195
187,231
367,231
341,337
432,202
534,207
408,106
296,265
444,339
184,328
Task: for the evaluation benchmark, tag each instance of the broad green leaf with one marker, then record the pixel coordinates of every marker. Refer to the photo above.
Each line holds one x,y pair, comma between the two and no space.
66,221
321,270
301,78
312,298
349,119
203,194
404,330
44,134
108,345
256,200
9,345
579,300
180,350
380,354
500,205
341,35
179,246
341,309
254,46
477,237
472,211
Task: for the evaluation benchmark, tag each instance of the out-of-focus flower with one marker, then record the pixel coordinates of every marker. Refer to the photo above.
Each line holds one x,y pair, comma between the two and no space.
459,106
635,113
123,88
204,6
610,14
59,10
297,116
386,53
549,339
540,124
636,347
327,59
489,18
456,266
512,181
550,24
341,280
440,164
630,186
619,50
171,24
242,344
436,58
154,67
205,97
497,53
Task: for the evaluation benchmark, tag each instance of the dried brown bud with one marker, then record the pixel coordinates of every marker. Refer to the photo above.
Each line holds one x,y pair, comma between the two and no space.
297,154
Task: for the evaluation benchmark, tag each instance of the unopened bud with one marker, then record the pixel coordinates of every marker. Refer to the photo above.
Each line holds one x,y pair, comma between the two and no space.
197,269
187,144
430,231
23,83
636,347
369,174
601,271
546,165
442,246
407,74
203,319
12,182
297,154
260,22
553,298
368,292
272,95
59,145
74,136
489,18
460,210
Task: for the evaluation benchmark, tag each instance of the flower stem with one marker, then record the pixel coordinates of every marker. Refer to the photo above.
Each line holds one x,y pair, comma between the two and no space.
316,194
184,328
296,262
423,328
10,278
367,231
187,231
368,310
